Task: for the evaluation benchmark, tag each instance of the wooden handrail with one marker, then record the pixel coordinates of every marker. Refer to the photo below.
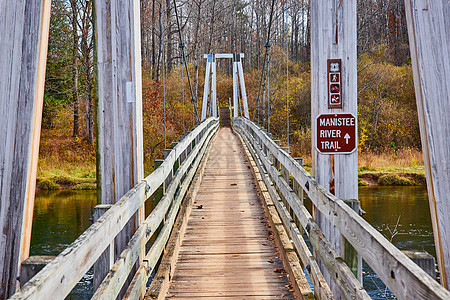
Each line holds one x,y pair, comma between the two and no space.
60,276
402,276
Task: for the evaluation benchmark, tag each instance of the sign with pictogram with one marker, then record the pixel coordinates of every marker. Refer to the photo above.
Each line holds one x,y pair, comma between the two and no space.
336,133
334,83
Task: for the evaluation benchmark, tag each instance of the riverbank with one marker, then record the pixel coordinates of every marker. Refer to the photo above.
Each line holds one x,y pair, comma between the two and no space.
67,162
62,175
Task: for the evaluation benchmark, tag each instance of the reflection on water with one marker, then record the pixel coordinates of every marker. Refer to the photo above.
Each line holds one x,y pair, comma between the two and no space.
401,214
59,218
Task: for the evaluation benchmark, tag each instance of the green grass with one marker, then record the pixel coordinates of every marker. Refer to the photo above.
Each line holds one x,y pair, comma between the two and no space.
85,186
48,184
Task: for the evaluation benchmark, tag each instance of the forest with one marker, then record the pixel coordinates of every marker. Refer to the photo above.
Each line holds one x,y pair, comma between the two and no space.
388,127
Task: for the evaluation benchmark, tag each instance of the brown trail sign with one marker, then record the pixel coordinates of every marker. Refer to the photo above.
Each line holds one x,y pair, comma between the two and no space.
336,133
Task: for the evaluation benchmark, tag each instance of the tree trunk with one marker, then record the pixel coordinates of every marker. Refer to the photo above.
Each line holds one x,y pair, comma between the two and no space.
153,40
76,109
86,47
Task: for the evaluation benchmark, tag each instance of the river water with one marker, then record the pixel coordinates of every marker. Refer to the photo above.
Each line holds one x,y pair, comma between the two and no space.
400,213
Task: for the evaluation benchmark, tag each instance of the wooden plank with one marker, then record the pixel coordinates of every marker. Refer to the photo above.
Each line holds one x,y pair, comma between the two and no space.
403,277
59,277
117,276
144,272
321,288
295,268
23,62
429,39
159,284
342,275
224,258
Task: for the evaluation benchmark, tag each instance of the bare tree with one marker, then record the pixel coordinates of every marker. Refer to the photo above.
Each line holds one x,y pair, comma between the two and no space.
76,108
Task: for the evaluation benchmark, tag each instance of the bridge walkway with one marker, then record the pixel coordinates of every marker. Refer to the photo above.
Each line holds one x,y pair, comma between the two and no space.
227,250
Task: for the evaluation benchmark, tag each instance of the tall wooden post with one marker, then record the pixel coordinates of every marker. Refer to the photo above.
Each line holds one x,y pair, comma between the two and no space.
206,88
429,42
235,88
23,55
243,91
333,36
119,117
214,88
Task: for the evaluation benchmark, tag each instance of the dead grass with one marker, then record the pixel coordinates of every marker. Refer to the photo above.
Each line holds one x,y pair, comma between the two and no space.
405,160
63,156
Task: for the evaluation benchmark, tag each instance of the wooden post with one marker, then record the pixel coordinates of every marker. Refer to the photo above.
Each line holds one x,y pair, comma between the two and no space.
106,260
242,81
424,260
206,87
333,36
119,117
23,55
298,190
32,265
235,88
159,193
429,42
214,88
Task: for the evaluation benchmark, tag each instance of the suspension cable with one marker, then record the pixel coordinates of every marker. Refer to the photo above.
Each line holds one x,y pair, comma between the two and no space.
268,100
182,96
266,61
287,74
181,46
163,75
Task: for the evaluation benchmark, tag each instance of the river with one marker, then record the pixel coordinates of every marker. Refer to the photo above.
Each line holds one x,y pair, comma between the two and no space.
400,213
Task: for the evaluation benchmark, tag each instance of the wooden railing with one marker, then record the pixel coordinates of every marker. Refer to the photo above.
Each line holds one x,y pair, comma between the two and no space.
60,276
402,276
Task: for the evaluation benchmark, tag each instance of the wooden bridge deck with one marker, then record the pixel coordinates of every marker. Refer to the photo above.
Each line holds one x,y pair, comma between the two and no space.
227,250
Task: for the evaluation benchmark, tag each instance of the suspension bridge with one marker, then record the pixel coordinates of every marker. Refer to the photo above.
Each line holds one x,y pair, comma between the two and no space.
230,219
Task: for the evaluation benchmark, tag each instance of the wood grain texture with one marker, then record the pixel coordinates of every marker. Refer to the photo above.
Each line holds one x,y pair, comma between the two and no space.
243,91
206,90
23,54
342,275
403,277
166,210
60,276
429,38
214,89
295,267
160,282
119,114
226,251
333,36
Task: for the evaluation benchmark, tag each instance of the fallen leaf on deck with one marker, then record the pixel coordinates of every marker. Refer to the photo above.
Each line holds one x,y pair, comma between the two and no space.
199,206
279,270
233,184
